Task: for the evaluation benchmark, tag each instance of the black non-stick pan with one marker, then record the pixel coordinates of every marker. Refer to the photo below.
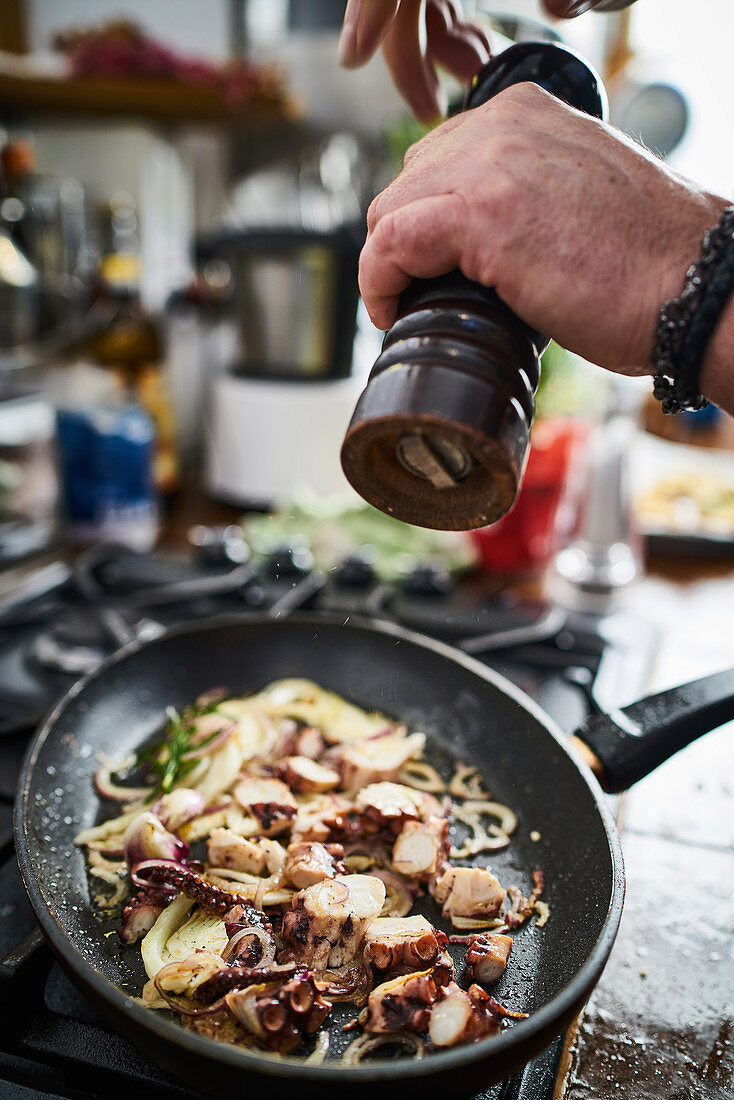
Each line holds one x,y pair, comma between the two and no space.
469,712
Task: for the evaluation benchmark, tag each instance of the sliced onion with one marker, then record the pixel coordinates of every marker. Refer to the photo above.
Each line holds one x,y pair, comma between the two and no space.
360,1048
216,743
422,777
337,892
319,1052
267,943
466,782
156,864
398,895
344,983
113,792
476,922
179,806
260,892
185,1006
543,910
480,840
377,853
507,819
147,838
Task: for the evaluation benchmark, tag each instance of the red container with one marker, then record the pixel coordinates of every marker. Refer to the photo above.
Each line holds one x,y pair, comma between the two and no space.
526,538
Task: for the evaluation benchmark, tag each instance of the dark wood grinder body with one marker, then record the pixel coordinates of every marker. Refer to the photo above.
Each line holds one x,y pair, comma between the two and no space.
440,435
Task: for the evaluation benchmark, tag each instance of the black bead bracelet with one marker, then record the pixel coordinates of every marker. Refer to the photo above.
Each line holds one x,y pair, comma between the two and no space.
686,324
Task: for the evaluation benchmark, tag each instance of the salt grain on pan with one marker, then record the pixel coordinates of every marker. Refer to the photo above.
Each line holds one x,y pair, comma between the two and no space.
535,836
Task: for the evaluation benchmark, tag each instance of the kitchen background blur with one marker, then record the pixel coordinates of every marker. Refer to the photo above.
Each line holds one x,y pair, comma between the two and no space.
181,211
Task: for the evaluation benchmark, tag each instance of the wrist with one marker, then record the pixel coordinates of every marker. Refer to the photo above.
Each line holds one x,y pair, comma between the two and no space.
688,324
717,368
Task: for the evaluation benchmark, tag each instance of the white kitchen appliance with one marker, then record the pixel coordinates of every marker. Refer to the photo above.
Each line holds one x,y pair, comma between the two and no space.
265,439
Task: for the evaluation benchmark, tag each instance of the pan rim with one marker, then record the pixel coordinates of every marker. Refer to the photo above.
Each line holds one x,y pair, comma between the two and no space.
170,1031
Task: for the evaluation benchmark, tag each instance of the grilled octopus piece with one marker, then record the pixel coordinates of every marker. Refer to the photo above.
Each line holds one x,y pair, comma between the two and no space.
403,1004
280,1013
141,913
325,819
469,892
211,897
385,807
376,759
486,957
421,849
308,862
395,946
464,1017
230,978
305,775
269,800
326,923
302,741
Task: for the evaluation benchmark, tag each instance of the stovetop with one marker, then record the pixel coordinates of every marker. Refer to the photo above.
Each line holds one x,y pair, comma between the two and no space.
64,618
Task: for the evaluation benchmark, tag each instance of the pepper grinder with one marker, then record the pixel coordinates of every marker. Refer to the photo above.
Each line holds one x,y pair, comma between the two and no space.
440,436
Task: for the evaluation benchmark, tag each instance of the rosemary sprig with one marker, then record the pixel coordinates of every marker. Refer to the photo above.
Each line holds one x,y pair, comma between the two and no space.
169,757
179,736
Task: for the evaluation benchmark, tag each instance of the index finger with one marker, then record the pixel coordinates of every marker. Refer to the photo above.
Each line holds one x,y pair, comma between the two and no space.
366,22
417,241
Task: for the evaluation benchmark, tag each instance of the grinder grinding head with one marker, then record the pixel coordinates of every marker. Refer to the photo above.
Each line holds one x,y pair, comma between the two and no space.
440,436
436,447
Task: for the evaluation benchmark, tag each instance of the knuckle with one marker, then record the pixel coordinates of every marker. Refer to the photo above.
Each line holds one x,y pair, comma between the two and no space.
373,213
526,94
412,152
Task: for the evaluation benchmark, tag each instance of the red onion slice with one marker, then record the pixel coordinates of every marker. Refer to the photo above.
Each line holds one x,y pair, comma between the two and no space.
267,943
113,792
216,743
156,864
398,895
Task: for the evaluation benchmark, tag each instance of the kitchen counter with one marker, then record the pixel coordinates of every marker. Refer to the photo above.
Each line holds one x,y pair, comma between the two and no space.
659,1025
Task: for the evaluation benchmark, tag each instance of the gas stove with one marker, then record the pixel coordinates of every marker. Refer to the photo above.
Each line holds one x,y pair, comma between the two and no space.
63,618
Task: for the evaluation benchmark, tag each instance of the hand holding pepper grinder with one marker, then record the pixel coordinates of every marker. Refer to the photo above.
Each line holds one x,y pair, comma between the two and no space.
440,435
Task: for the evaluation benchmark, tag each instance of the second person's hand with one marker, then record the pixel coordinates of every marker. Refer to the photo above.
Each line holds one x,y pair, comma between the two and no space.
416,36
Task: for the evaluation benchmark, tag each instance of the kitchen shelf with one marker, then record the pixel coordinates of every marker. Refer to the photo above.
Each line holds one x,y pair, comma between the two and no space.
156,99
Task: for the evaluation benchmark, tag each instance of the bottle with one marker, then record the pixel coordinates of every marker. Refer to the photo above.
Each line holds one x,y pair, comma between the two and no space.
440,435
17,213
130,345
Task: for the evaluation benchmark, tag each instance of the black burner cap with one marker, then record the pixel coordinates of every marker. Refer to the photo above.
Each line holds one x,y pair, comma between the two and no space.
354,572
290,561
428,580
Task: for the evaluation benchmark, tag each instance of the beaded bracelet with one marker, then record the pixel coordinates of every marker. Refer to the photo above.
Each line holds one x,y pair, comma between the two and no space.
686,324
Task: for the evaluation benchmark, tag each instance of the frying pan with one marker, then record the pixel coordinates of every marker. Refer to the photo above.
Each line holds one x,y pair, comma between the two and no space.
469,712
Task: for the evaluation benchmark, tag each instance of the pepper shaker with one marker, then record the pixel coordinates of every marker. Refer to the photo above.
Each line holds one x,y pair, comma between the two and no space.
441,433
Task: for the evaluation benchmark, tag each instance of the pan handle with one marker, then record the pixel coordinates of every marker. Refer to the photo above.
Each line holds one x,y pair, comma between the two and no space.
629,743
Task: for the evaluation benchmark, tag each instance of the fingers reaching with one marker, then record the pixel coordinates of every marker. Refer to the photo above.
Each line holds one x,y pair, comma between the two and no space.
366,22
415,36
458,47
411,70
567,9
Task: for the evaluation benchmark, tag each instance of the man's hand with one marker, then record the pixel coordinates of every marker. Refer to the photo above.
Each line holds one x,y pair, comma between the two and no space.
581,232
416,35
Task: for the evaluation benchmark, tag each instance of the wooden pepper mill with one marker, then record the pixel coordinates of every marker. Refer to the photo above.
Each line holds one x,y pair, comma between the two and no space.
440,435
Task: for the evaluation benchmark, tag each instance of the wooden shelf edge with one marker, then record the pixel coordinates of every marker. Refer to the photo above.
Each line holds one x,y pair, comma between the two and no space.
154,99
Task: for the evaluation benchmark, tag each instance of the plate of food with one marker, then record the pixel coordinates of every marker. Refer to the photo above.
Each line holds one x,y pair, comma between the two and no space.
683,496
